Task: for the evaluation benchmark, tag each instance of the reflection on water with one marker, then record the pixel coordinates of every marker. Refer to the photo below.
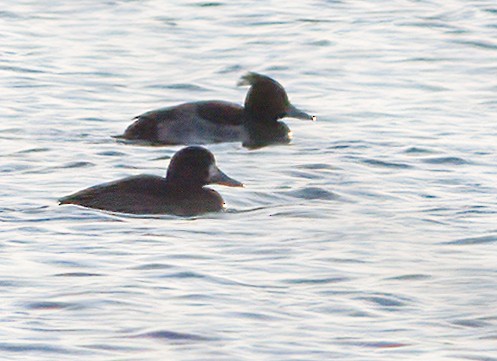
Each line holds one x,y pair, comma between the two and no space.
369,237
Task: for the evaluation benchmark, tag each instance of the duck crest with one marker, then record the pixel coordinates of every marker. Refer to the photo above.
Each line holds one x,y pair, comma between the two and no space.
252,78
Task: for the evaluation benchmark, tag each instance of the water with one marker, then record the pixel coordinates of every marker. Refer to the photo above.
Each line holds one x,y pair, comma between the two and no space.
371,237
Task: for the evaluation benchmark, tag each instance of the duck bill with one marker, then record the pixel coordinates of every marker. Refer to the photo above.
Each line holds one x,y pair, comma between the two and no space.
293,112
218,177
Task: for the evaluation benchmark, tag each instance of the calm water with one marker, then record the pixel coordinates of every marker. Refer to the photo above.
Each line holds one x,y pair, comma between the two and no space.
371,237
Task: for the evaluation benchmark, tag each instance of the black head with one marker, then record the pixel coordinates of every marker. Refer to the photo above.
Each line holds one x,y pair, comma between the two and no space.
195,167
267,101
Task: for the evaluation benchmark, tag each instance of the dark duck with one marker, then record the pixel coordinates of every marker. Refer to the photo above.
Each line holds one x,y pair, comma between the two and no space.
182,192
256,124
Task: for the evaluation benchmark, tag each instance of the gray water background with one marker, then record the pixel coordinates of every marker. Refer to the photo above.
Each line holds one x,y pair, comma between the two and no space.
371,237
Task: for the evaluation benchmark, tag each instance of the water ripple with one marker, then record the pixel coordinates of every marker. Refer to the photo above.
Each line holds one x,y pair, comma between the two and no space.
410,277
474,240
387,301
50,305
445,160
38,347
166,335
385,164
312,193
191,87
81,164
78,274
315,281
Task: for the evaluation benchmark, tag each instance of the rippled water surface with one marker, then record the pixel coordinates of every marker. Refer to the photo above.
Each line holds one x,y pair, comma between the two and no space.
371,237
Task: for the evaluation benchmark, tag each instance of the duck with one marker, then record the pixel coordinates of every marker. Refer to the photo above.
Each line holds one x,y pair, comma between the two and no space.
182,192
256,124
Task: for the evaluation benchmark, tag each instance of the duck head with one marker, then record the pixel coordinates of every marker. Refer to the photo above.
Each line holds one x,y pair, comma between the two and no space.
196,166
267,101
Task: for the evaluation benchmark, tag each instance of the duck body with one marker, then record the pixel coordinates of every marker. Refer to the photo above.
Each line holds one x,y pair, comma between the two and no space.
147,194
181,192
255,124
201,122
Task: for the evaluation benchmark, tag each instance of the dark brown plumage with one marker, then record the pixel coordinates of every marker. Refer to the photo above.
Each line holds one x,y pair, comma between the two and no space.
181,192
